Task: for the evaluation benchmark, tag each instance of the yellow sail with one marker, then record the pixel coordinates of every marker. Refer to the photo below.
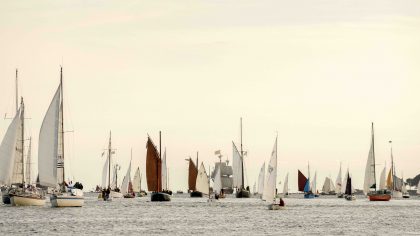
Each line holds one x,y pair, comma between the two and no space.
389,180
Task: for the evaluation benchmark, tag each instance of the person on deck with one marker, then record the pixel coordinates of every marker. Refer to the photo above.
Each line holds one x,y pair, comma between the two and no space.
281,202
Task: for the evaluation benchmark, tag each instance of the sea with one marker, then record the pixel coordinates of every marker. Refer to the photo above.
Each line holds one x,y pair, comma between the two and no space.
326,215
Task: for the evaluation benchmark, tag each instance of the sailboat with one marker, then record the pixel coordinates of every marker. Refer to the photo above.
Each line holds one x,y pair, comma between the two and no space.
395,189
328,187
270,190
202,181
137,184
192,177
304,184
382,179
313,187
154,171
404,191
370,176
261,179
238,171
338,184
217,186
127,186
226,173
21,195
286,185
349,189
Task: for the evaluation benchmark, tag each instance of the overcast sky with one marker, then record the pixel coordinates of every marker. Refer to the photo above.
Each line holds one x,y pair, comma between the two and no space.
316,72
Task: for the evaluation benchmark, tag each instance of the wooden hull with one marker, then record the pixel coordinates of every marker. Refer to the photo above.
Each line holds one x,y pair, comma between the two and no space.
160,197
379,197
242,194
66,200
196,194
17,200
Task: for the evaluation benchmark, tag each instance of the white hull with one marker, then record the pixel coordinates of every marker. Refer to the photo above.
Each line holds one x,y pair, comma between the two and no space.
275,207
26,201
397,194
66,201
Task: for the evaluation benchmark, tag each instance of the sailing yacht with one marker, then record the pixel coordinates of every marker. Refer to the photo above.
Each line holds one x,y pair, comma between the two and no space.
313,186
349,195
395,188
21,195
370,176
217,185
338,184
270,190
154,171
137,184
238,171
261,180
404,191
226,173
328,187
127,186
202,183
192,177
286,185
51,155
304,184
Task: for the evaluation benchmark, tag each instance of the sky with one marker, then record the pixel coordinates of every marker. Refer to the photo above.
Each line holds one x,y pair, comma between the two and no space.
317,73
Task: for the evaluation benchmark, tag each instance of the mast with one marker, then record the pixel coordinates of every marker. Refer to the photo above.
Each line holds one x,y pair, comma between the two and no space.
160,157
22,117
373,152
197,161
62,120
109,161
242,157
392,169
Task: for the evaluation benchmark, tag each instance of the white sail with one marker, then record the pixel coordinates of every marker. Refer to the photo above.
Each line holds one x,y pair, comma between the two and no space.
163,172
382,180
326,187
8,150
338,182
370,170
286,184
237,167
217,186
418,188
48,143
270,187
114,182
105,174
343,188
332,185
136,181
313,184
261,179
18,166
202,181
126,180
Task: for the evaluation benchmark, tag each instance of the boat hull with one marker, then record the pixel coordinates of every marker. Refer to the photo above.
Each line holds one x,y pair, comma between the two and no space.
66,201
242,194
129,195
309,196
6,199
160,197
27,201
406,196
379,197
350,197
196,194
275,207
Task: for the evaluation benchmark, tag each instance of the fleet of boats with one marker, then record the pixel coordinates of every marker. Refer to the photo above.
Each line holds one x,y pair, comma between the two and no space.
18,189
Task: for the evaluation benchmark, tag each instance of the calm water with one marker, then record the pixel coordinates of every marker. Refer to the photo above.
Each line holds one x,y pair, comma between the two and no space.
184,215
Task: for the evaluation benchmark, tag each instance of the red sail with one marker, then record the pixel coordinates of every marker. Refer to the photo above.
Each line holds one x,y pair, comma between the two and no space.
301,181
153,168
192,175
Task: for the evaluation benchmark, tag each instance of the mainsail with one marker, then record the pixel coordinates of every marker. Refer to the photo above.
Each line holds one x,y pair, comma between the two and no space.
348,185
389,180
338,182
217,186
164,172
286,184
126,181
343,188
49,156
261,179
202,182
313,186
301,181
370,179
328,186
136,181
237,167
28,172
18,166
8,150
270,187
153,167
105,173
382,179
192,175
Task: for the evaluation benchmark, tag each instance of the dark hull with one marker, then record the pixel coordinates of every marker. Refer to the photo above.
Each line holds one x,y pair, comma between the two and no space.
379,197
228,190
160,197
196,194
6,199
242,194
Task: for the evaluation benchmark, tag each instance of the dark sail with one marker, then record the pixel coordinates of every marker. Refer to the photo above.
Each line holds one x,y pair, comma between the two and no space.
348,185
301,181
192,175
153,168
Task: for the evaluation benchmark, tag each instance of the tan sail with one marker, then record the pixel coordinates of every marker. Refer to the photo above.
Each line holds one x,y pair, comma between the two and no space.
389,180
153,167
192,175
